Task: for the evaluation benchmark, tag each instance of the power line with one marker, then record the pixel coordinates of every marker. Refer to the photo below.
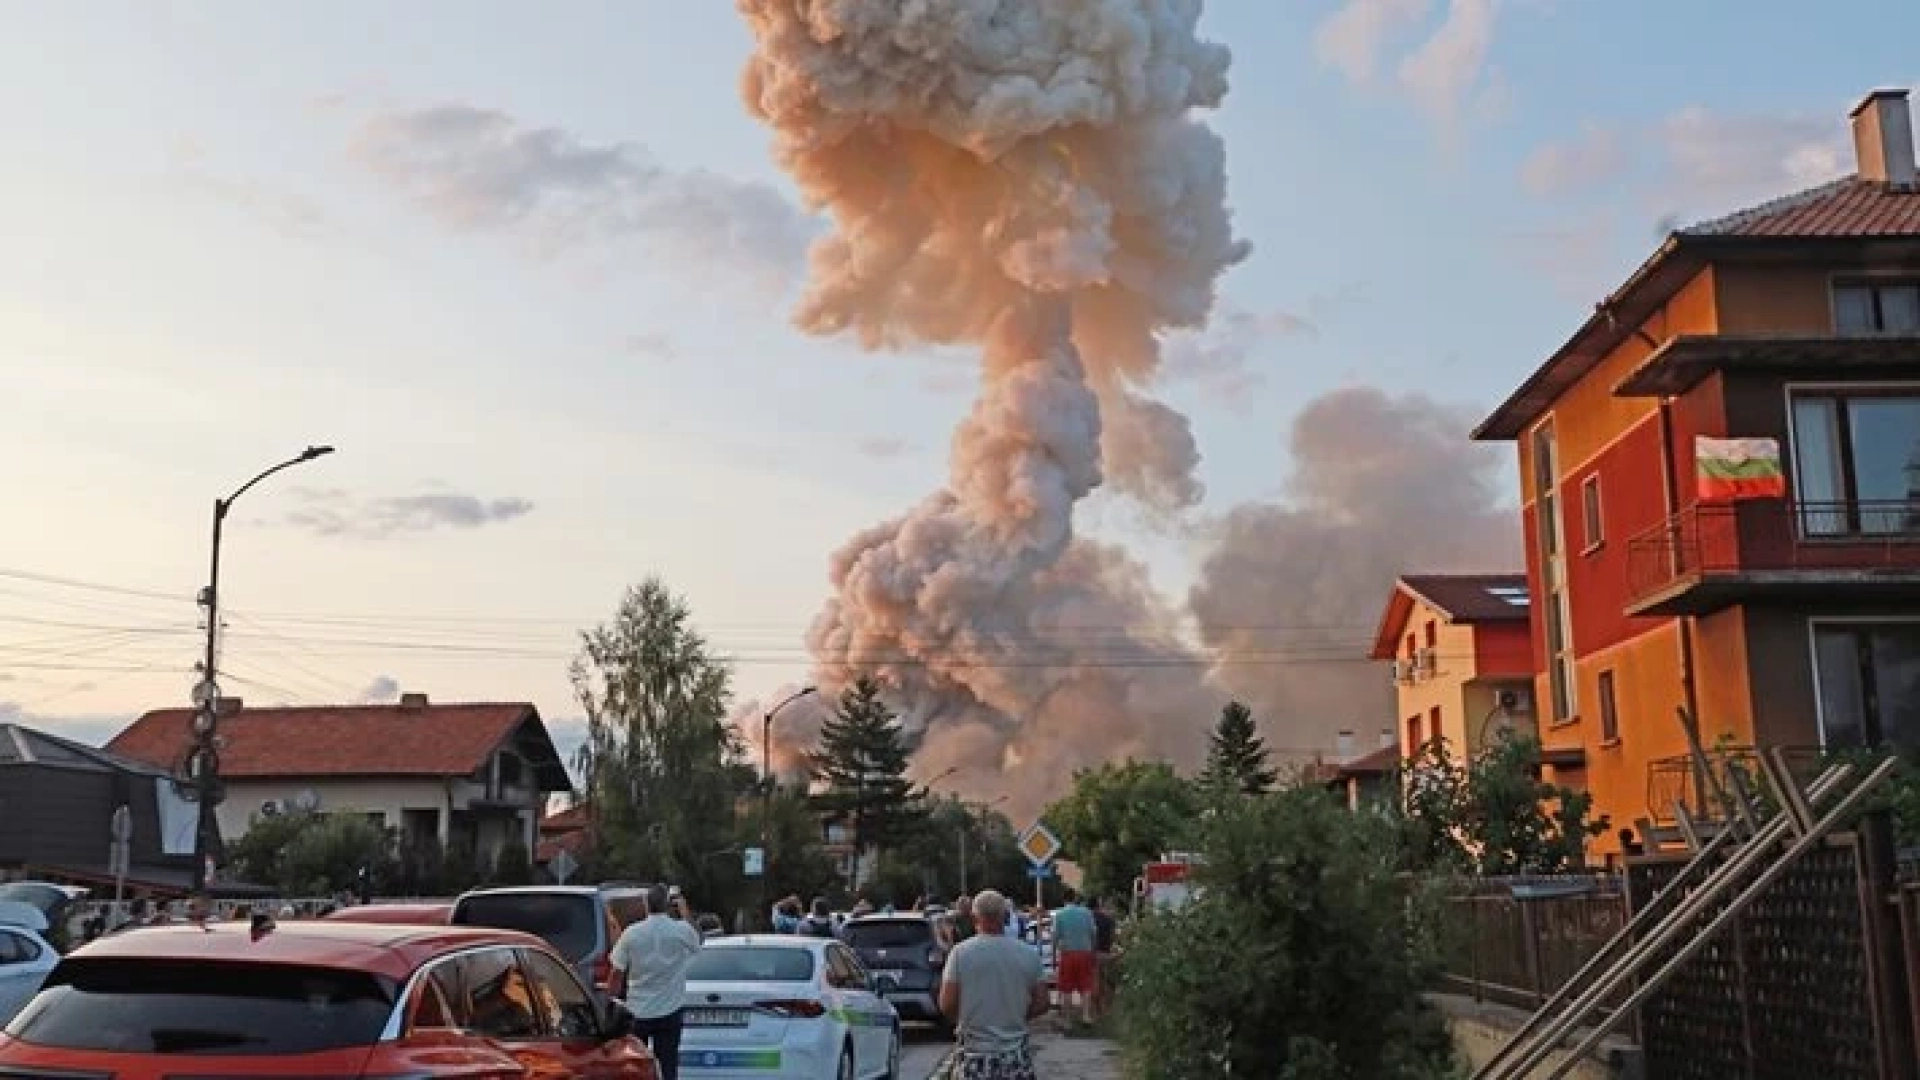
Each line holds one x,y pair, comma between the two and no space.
90,586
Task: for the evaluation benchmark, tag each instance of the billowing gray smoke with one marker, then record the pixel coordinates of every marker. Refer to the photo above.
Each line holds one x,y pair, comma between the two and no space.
1026,178
1288,595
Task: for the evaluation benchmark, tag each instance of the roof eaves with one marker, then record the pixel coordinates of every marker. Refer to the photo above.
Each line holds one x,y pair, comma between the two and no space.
1386,636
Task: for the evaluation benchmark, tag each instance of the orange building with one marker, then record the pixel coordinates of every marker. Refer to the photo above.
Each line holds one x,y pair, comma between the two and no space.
1462,659
1790,619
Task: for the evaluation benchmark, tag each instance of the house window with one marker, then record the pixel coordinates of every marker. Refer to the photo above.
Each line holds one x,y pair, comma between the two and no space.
1856,466
1609,710
1434,730
1553,568
1414,740
1433,635
1876,307
1591,523
1868,677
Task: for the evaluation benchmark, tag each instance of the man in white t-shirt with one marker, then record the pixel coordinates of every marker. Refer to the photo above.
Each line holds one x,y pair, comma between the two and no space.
650,964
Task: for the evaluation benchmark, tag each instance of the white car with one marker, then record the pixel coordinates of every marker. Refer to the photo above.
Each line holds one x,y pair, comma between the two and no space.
795,1008
25,956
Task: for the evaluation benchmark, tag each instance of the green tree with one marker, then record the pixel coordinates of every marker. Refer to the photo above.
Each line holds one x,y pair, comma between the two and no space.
862,761
257,857
1237,756
1432,810
330,854
512,864
1298,957
661,765
1495,816
1117,818
797,861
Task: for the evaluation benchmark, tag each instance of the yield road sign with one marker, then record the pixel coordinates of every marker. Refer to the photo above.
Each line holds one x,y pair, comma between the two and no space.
1039,844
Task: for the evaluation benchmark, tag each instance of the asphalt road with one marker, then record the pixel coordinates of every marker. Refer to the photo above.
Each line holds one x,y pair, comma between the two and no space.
924,1050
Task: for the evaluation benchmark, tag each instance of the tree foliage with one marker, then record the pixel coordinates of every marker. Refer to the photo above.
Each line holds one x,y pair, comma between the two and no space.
1117,818
862,764
1300,956
797,863
932,857
512,864
1496,816
662,766
1237,757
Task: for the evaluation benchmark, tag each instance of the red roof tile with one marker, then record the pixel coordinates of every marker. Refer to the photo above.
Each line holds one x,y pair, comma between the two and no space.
347,740
1846,208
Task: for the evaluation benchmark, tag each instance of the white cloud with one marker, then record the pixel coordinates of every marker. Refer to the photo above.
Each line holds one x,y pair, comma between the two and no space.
1220,358
383,690
478,170
1595,158
883,448
1445,73
333,512
1353,38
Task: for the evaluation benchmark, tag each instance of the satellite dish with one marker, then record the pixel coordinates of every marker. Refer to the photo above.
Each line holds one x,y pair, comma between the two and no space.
307,801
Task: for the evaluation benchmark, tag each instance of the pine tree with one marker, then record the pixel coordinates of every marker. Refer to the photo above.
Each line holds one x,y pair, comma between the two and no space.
1236,755
863,763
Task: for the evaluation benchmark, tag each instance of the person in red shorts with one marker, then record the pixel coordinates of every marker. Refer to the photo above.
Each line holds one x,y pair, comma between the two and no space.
1076,972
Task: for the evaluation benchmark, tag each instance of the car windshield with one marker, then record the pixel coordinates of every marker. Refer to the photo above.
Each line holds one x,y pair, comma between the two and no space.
565,920
176,1007
751,965
888,934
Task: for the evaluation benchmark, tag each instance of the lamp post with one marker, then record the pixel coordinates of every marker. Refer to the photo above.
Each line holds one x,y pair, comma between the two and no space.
203,765
766,787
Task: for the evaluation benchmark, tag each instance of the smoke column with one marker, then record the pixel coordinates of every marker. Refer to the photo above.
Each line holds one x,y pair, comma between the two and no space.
1025,178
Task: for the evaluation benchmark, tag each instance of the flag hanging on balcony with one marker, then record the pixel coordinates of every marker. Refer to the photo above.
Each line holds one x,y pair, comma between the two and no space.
1734,469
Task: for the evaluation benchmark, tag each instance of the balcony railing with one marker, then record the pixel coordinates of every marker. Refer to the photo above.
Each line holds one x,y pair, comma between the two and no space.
1770,539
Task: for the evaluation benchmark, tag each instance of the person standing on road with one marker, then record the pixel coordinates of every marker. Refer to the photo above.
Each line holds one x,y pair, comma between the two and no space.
650,964
1106,932
1073,944
993,985
820,923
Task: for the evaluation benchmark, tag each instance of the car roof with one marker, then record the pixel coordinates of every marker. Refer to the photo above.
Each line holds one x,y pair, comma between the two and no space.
768,941
535,890
389,949
898,916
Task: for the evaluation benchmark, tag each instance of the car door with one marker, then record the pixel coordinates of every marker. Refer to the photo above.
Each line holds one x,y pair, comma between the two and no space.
23,966
573,1023
492,995
867,1012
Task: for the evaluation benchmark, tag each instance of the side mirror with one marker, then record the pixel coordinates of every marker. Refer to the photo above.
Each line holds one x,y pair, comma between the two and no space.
618,1022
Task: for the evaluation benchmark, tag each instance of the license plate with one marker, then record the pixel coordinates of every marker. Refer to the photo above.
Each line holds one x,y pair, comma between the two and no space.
716,1018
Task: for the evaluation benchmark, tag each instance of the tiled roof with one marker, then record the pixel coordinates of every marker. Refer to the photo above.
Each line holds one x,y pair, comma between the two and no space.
348,740
1845,208
1379,763
1472,598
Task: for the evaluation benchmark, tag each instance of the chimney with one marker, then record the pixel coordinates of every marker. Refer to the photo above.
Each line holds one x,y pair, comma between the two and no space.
413,701
1345,752
1387,739
1883,139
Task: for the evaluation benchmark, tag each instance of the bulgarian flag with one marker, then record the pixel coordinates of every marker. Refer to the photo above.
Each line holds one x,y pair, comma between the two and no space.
1734,469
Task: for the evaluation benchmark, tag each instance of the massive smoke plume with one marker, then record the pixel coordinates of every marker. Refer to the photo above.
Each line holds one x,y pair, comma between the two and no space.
1025,178
1289,593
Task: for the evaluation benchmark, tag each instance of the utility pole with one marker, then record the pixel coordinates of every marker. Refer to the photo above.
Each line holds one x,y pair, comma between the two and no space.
203,764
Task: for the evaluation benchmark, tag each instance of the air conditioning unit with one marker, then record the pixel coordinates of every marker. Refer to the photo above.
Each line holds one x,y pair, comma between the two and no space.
1516,701
1427,662
1402,672
270,808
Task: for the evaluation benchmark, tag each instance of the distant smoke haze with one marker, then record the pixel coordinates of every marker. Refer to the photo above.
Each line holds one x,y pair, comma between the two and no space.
335,512
383,690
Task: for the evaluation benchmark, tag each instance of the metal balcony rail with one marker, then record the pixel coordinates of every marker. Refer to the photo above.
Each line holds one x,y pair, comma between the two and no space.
1772,535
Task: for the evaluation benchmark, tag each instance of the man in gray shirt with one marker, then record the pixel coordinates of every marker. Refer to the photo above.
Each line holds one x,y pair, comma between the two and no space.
993,985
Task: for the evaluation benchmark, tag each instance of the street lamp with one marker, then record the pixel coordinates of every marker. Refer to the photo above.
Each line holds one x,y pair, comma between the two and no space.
766,786
203,765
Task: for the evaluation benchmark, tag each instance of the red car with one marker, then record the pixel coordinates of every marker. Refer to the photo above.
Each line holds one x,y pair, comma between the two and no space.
319,999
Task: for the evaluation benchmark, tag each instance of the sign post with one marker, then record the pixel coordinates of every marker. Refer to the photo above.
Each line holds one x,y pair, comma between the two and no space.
1040,847
120,852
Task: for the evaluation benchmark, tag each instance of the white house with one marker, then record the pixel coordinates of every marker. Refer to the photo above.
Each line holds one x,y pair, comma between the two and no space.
464,774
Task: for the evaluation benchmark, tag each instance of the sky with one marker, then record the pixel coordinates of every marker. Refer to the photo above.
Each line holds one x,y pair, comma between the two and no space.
529,269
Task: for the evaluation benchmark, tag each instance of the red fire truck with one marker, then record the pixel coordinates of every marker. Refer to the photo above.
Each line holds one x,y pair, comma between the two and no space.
1165,883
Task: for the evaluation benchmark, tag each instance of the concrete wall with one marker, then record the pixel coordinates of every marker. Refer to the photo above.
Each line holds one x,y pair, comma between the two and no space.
1481,1028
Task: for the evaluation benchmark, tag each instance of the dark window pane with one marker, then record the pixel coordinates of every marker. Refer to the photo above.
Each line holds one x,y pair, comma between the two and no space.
564,920
1886,460
568,1011
889,934
213,1008
1843,706
1896,684
491,993
751,965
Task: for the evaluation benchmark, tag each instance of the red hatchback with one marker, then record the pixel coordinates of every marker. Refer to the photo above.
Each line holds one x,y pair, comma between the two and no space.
318,999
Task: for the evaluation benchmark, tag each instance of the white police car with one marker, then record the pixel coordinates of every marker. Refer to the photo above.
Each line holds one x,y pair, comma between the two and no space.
794,1008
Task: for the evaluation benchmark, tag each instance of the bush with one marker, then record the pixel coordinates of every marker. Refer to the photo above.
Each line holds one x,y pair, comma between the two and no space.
1302,955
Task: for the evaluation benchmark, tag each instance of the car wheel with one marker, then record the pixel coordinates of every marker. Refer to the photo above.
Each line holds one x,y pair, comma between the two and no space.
846,1064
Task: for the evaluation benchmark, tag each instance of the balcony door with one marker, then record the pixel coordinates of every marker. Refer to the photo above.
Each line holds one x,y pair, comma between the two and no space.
1857,462
1867,676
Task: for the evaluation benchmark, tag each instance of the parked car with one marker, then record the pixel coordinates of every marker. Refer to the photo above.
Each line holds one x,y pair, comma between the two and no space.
25,955
437,913
315,999
789,1007
577,920
906,958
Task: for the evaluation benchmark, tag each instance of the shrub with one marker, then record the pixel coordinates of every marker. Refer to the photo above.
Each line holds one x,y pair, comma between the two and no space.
1302,956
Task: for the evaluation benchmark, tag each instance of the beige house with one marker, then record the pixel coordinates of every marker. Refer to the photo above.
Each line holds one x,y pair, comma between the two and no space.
1460,654
470,775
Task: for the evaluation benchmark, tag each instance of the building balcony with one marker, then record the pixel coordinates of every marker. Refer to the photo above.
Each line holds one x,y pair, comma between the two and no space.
1708,557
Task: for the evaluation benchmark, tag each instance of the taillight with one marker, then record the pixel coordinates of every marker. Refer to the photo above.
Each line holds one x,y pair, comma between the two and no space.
602,973
793,1008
